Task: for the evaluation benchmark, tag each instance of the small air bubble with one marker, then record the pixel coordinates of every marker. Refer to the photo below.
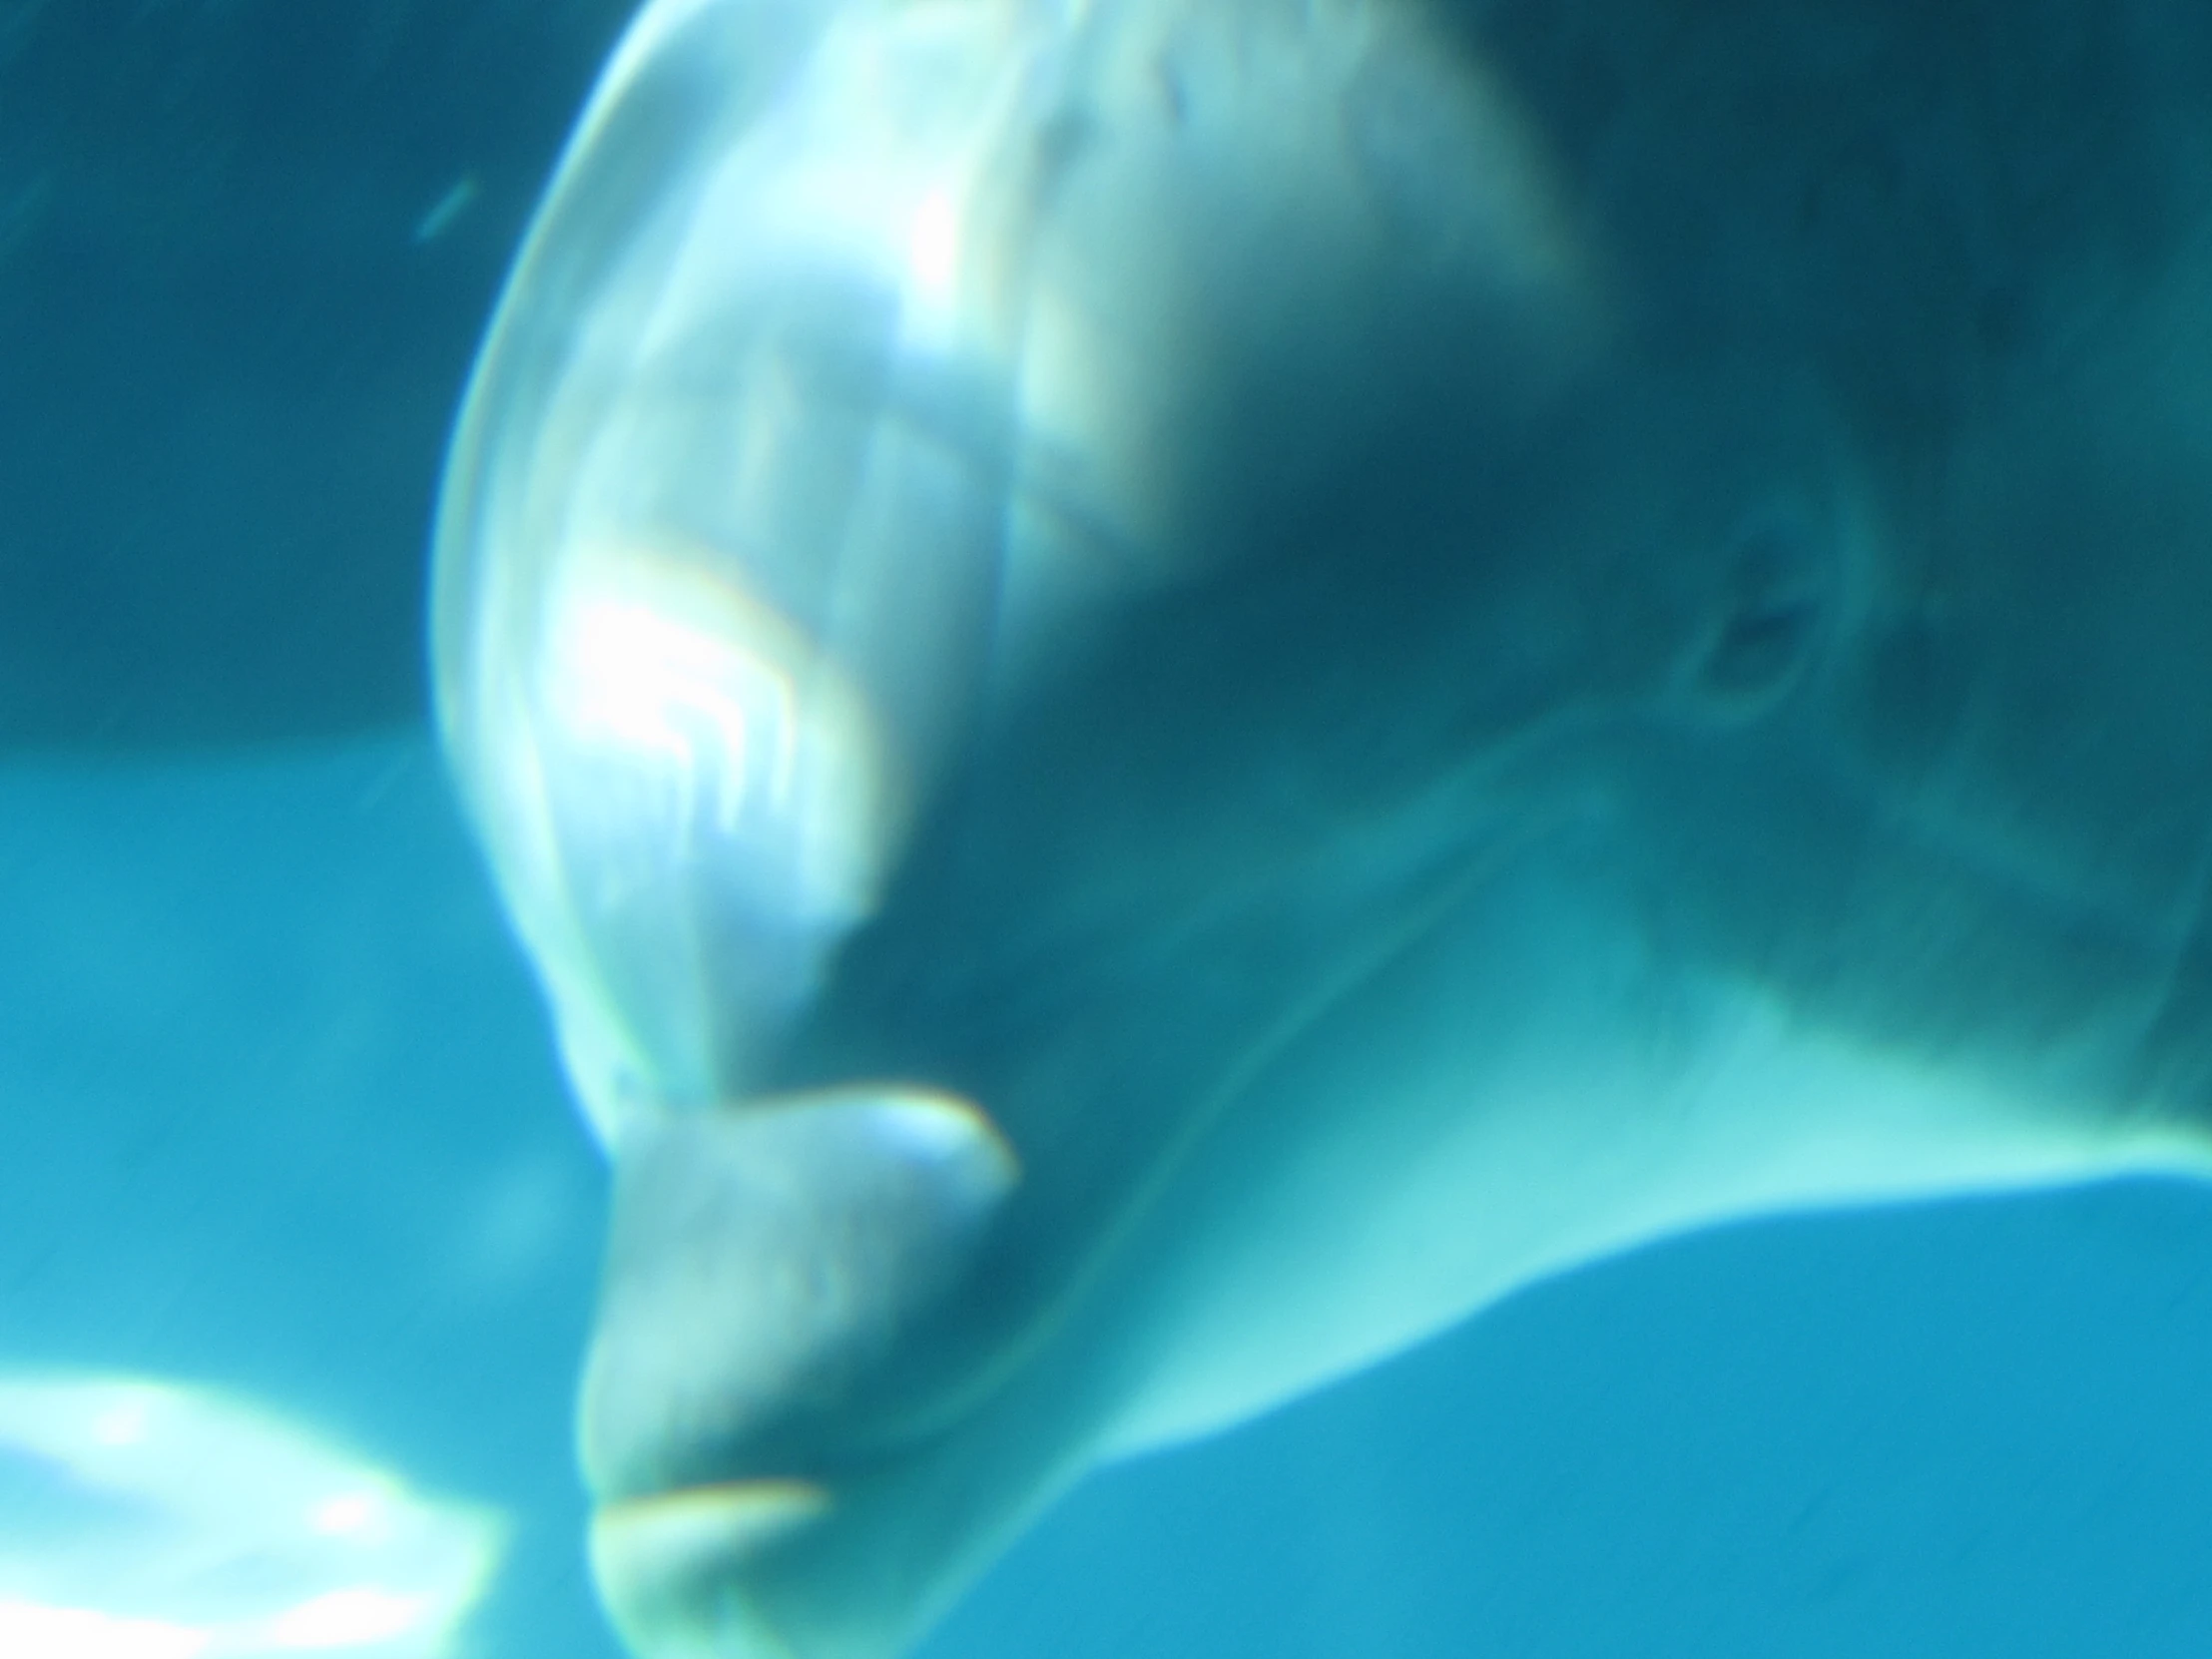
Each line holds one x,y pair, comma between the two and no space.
447,209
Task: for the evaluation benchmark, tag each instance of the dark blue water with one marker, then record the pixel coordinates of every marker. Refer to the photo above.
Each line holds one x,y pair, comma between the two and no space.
280,1112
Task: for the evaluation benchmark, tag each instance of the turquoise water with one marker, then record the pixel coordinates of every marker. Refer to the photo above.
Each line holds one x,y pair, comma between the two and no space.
279,1115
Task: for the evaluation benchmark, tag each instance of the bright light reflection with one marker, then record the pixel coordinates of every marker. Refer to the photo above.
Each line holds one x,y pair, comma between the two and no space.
712,712
179,1523
29,1631
344,1514
123,1425
346,1618
933,249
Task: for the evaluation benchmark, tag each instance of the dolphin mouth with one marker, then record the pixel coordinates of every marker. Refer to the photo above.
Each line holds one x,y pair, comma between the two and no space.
673,1568
780,1567
775,1272
764,1264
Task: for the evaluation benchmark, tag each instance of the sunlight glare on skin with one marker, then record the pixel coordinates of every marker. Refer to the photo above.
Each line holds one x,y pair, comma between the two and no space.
670,670
712,713
121,1426
351,1513
876,160
932,255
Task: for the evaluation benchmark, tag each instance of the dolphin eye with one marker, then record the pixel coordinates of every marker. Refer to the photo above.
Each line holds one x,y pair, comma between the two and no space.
1770,622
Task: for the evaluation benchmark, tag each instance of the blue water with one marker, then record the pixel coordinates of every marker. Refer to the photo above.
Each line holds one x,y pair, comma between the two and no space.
277,1111
280,1112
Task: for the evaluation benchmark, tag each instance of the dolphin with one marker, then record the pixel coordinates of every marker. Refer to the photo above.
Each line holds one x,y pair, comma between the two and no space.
1170,692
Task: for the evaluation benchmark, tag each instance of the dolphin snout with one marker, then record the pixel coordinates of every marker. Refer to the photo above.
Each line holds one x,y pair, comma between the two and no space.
767,1266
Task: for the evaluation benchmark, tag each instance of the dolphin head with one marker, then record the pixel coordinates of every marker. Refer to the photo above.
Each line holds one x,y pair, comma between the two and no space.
864,358
1131,669
988,548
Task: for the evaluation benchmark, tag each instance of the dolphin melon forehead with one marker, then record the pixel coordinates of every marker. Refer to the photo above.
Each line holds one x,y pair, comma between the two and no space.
931,340
718,538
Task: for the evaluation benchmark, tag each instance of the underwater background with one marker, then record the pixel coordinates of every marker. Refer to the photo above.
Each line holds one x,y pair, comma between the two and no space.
280,1111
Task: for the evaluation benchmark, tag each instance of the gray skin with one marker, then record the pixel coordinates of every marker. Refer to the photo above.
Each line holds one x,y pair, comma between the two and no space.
1606,632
